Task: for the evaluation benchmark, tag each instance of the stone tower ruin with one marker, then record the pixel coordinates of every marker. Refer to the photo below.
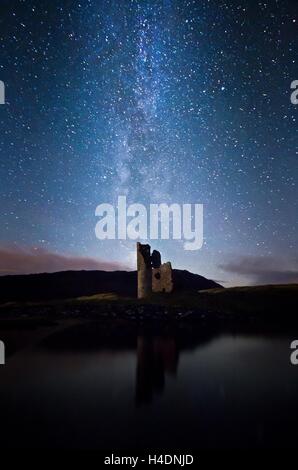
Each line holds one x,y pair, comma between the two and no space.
153,276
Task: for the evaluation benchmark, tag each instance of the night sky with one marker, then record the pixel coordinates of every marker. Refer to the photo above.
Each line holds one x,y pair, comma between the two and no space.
162,101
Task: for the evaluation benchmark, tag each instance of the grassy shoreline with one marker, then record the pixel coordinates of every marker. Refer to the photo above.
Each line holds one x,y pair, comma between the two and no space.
270,300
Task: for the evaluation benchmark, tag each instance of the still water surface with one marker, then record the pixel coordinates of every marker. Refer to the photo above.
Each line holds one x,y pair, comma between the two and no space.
151,391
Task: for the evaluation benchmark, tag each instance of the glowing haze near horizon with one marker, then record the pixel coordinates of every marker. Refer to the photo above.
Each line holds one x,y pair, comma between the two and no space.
162,101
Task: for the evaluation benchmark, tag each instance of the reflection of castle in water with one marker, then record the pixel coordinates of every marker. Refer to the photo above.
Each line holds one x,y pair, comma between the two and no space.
157,356
157,349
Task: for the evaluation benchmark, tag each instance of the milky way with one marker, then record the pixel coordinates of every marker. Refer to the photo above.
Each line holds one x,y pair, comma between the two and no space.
162,101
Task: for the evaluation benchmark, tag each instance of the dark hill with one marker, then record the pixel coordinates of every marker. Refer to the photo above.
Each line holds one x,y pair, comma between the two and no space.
69,284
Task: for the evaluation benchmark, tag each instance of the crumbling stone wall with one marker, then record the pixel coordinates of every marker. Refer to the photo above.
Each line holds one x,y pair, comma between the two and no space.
152,275
162,278
144,271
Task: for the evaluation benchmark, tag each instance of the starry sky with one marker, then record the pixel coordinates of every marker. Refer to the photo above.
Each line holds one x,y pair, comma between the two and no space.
184,101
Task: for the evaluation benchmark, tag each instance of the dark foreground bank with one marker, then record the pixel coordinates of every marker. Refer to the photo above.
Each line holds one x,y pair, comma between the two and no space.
112,384
185,372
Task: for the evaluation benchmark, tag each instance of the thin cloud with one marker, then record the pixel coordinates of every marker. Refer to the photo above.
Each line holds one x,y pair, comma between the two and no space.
29,260
263,270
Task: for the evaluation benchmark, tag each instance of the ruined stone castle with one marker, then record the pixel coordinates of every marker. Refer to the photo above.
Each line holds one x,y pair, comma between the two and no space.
153,276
